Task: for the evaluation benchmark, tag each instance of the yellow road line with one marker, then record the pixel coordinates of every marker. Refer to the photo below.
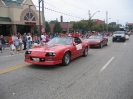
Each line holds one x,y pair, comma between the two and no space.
13,68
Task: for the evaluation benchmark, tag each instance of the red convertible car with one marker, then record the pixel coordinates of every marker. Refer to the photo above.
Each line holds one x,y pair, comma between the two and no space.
58,50
97,41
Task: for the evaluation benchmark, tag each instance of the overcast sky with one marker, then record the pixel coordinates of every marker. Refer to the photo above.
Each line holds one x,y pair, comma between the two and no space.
120,11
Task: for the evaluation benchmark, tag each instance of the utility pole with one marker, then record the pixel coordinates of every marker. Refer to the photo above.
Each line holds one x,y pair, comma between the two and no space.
43,18
104,25
89,19
106,21
89,14
39,19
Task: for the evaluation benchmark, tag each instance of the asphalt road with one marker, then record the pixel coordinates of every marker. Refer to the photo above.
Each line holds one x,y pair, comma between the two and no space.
105,73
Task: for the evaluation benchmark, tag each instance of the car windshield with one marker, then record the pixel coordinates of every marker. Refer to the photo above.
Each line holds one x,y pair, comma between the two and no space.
119,32
95,37
61,40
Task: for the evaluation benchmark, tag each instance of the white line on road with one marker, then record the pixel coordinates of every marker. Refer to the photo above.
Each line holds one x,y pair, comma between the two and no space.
105,66
125,43
10,55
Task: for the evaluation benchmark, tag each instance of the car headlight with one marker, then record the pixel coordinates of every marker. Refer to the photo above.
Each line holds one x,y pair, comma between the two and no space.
50,53
28,52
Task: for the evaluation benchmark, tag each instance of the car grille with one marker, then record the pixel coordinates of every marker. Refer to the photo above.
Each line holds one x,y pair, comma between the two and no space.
118,36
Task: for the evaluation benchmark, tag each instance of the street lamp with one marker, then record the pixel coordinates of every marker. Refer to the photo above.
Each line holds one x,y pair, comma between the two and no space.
93,15
107,24
90,17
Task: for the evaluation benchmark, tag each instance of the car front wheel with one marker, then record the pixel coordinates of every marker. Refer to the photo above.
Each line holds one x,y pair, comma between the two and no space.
85,53
101,45
66,59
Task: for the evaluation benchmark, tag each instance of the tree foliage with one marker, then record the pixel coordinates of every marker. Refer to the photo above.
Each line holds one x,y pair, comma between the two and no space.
89,26
57,27
47,27
53,21
83,25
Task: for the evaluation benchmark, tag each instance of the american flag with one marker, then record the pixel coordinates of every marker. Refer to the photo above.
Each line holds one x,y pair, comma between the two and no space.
43,30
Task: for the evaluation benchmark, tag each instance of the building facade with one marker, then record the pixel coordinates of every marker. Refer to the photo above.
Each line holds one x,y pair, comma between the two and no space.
18,16
67,27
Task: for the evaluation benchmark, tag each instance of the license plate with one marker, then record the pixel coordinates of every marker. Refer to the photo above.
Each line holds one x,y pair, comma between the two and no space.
118,39
36,59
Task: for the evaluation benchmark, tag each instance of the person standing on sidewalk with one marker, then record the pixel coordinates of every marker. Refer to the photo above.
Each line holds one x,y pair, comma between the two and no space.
3,42
20,42
11,43
0,46
24,40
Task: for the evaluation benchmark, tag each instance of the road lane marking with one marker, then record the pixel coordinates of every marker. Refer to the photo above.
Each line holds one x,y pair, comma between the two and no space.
13,68
105,66
10,55
125,43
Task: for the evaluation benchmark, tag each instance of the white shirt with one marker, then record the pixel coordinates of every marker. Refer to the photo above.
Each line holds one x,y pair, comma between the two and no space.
30,38
43,38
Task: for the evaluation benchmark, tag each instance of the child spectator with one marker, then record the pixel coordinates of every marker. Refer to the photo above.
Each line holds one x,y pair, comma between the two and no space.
29,43
20,42
36,41
41,42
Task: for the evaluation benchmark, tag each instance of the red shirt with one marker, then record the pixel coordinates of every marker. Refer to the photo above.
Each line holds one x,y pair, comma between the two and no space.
10,40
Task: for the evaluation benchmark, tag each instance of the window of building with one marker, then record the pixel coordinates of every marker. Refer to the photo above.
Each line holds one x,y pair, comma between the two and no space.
5,30
29,17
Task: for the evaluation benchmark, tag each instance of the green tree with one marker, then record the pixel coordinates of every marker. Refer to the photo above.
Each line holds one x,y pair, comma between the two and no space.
47,27
90,23
75,26
81,25
57,27
53,21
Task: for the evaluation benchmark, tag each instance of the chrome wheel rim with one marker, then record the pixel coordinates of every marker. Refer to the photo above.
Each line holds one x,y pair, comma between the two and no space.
86,51
101,45
67,58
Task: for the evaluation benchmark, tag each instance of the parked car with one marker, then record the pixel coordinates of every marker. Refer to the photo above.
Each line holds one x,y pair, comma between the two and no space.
97,41
58,50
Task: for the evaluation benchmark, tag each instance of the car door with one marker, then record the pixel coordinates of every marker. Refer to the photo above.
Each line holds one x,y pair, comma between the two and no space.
79,46
74,51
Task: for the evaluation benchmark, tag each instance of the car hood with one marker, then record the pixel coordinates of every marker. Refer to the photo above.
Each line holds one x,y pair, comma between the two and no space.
49,47
93,40
119,35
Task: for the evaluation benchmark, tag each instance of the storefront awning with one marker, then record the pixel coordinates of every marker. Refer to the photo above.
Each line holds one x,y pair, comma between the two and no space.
5,19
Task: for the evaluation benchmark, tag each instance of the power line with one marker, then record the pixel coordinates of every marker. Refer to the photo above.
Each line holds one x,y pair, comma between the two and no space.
58,8
62,13
73,6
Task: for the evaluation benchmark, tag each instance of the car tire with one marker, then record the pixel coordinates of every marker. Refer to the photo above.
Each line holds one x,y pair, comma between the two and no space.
101,45
66,59
113,40
85,53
